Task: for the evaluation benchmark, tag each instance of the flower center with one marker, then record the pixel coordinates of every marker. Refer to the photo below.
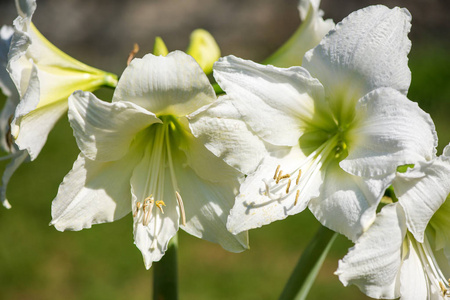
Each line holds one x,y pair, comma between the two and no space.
158,156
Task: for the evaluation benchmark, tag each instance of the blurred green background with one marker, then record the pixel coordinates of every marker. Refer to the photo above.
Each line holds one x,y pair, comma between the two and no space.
38,262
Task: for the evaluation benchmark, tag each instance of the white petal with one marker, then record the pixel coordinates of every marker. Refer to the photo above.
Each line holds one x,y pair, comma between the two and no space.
207,206
421,191
6,116
31,130
347,203
152,239
104,131
413,283
367,50
93,192
26,8
254,207
374,262
220,128
205,164
173,84
6,83
287,100
18,158
389,131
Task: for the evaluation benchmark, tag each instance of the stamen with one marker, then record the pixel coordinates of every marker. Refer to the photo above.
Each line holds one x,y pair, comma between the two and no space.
296,197
132,53
276,172
147,208
288,186
180,204
443,288
279,176
159,204
138,207
298,177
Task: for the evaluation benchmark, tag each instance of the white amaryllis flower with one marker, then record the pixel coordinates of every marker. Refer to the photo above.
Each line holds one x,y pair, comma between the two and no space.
138,155
10,91
306,37
44,77
406,252
328,135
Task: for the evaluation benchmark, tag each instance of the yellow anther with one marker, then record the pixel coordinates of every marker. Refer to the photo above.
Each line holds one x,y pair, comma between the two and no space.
181,206
298,177
288,186
159,204
296,197
279,176
276,172
443,288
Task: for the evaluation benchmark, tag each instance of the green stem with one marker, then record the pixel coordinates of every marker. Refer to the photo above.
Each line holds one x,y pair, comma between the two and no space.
165,274
308,266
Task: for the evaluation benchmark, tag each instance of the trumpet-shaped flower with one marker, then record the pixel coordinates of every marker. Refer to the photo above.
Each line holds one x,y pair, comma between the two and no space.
138,155
44,77
306,37
328,135
406,252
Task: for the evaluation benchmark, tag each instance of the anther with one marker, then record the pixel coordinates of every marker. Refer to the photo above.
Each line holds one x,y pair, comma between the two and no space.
132,53
276,172
138,207
159,204
279,176
443,288
181,206
288,186
298,177
296,197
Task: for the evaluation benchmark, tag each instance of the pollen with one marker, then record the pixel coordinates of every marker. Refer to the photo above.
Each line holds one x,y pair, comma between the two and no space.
296,197
298,177
159,204
147,208
288,186
276,172
443,289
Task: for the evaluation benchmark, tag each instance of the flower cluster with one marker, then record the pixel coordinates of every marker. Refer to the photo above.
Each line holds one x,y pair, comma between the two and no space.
325,124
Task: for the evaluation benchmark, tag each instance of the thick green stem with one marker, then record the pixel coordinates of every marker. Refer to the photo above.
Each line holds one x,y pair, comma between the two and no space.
308,266
165,274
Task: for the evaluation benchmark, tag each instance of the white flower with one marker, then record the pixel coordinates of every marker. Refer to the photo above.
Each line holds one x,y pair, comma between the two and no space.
44,77
406,252
328,135
138,155
9,89
388,262
306,37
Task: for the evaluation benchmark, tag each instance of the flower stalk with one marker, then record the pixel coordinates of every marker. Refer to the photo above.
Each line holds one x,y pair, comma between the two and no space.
165,273
308,266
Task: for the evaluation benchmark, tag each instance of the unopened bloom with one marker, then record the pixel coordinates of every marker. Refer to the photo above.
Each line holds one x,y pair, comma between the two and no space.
311,31
328,135
138,155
